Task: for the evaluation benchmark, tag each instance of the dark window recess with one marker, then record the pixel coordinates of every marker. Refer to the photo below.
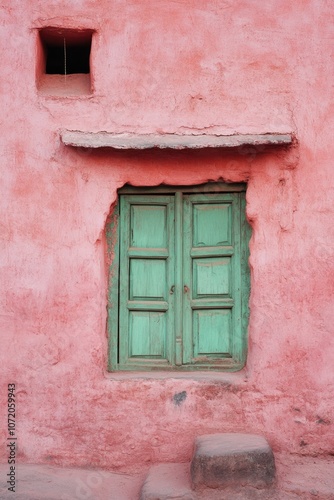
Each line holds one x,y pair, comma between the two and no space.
67,51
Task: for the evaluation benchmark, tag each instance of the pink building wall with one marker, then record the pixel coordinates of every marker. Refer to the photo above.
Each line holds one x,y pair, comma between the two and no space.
168,67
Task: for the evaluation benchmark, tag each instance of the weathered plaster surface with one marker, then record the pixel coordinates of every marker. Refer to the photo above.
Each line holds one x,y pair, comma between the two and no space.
77,138
213,67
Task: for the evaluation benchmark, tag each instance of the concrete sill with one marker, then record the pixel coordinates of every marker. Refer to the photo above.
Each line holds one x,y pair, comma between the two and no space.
224,378
128,141
65,86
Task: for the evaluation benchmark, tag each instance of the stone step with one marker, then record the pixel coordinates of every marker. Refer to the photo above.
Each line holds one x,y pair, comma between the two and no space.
232,460
298,478
172,482
168,482
222,465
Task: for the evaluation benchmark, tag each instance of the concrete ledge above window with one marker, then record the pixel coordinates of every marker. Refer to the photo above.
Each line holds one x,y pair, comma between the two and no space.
125,141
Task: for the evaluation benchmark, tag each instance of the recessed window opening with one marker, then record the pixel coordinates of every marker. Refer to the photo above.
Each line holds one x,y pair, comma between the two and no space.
179,279
67,51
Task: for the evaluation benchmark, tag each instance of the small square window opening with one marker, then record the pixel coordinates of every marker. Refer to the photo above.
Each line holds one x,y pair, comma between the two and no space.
64,62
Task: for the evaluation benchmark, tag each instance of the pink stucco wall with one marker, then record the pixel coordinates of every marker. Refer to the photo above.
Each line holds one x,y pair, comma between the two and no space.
191,66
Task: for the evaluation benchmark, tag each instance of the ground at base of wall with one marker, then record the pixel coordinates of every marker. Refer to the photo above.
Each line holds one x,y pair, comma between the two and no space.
304,478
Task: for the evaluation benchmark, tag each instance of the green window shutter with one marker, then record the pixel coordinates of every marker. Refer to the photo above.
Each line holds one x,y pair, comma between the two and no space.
211,262
183,281
146,279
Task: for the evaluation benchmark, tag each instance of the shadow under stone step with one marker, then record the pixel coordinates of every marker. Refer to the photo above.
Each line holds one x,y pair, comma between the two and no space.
232,460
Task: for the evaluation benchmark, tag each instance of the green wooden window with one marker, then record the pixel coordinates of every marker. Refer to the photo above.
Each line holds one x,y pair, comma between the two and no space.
179,280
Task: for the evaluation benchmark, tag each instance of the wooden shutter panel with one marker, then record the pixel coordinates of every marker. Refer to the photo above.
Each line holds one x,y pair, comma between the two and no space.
212,288
146,280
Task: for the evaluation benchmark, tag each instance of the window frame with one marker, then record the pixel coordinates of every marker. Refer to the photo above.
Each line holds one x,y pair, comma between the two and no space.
113,235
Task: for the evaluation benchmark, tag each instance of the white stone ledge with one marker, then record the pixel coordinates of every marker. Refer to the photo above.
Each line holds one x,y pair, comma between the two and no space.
81,139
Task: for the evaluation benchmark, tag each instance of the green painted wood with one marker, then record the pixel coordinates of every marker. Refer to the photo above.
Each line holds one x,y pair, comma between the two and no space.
212,332
207,303
237,310
148,334
146,277
184,279
152,305
245,236
178,292
187,329
212,297
212,276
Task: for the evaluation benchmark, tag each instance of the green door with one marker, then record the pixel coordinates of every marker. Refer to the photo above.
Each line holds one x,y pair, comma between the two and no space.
183,280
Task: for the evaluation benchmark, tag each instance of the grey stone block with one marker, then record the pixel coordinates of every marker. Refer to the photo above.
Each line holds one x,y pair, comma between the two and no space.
225,460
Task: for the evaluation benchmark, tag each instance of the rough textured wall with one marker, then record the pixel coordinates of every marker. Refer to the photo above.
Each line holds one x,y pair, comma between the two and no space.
177,67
